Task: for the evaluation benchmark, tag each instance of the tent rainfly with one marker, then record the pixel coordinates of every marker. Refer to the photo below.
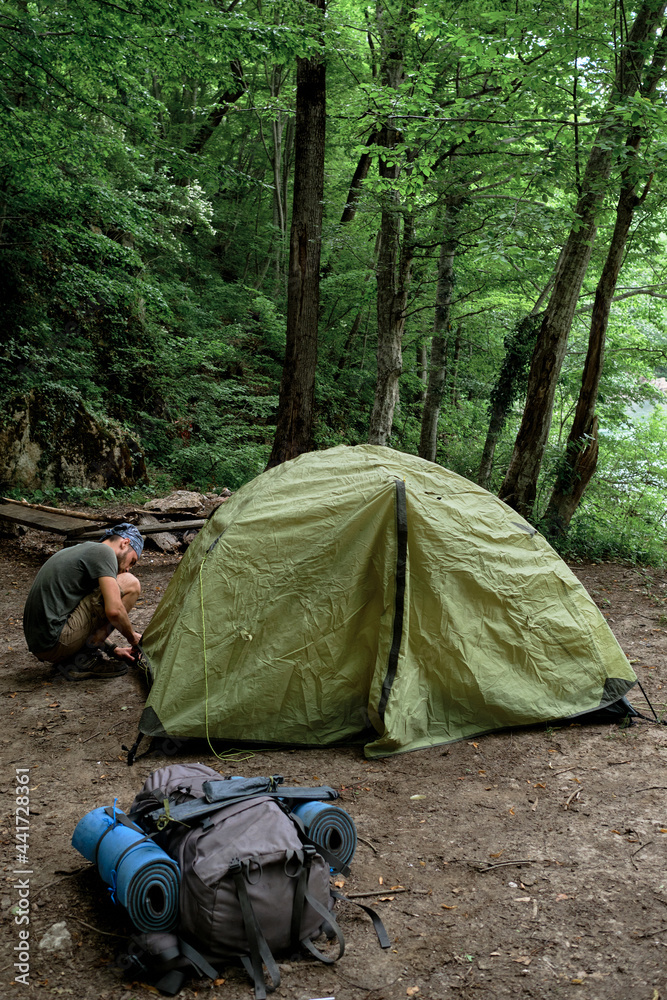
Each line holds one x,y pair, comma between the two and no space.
359,587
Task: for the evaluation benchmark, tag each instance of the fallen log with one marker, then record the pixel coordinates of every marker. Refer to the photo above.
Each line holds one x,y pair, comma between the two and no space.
162,539
55,510
146,529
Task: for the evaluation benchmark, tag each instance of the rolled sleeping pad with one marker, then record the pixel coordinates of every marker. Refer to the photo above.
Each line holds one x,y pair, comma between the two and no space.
140,874
329,826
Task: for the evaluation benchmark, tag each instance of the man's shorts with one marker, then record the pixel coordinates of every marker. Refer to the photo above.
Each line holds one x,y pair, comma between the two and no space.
87,618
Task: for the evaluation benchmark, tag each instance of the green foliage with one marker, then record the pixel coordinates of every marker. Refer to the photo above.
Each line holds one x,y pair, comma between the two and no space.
622,516
145,185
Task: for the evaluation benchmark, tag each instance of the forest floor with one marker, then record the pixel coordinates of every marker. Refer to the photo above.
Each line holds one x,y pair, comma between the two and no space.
526,864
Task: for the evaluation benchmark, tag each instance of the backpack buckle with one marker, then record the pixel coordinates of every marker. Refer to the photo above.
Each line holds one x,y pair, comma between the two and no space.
309,854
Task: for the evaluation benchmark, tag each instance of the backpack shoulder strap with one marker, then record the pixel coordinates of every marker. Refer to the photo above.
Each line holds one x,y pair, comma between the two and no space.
380,930
259,949
170,981
303,896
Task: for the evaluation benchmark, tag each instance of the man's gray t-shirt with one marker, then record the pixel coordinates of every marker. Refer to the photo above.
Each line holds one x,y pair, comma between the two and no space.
61,584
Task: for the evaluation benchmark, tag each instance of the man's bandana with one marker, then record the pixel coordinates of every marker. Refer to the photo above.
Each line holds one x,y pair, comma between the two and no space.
126,530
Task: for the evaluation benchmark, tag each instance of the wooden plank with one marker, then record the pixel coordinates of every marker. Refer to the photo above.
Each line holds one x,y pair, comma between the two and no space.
59,524
150,529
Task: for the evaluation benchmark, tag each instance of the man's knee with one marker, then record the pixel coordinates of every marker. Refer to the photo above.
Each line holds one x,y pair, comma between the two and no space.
129,585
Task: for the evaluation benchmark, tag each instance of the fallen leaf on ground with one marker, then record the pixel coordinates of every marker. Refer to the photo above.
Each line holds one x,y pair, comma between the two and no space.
445,907
524,959
497,854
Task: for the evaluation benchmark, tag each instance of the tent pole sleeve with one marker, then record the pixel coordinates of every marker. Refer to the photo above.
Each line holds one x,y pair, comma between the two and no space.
399,600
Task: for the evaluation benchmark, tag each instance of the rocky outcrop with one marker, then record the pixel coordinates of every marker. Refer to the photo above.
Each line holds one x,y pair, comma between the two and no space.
51,439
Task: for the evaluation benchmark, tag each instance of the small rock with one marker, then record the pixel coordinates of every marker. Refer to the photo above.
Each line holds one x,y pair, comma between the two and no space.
528,880
484,963
57,939
285,968
5,903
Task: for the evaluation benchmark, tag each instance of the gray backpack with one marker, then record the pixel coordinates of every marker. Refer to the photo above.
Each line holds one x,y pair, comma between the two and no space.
252,886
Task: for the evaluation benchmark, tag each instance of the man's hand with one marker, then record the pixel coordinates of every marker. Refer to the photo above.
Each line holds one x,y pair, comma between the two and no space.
115,609
129,653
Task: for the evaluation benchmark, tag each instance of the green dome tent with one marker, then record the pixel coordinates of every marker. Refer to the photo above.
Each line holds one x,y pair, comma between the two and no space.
363,585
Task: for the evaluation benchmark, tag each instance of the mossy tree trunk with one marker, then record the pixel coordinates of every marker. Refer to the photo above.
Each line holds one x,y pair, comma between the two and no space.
581,451
519,488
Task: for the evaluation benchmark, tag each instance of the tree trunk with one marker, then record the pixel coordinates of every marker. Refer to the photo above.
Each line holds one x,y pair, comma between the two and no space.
356,184
393,284
294,425
441,326
581,451
519,488
455,368
396,240
353,195
512,377
519,346
221,108
421,351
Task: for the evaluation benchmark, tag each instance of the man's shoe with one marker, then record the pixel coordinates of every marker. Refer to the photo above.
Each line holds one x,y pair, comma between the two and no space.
90,666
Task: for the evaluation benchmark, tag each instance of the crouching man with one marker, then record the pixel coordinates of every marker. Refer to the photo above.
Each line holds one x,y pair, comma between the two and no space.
80,595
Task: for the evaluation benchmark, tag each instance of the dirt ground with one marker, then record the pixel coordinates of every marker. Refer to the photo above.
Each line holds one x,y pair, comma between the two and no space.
525,863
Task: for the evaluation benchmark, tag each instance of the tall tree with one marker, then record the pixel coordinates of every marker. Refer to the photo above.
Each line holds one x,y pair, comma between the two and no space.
581,451
396,229
441,328
294,426
519,488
